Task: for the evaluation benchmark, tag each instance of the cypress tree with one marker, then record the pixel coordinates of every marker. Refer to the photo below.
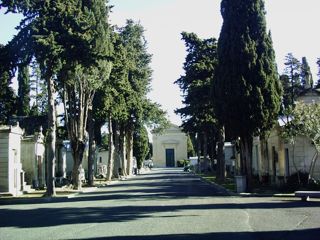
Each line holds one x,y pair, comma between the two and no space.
247,90
306,75
318,82
23,91
140,144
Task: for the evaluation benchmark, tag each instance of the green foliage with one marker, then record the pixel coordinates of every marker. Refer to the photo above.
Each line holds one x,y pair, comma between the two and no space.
150,151
318,83
306,75
124,96
291,81
247,91
304,121
105,141
199,67
190,148
300,181
182,163
23,91
140,144
138,69
7,95
296,78
118,89
38,92
154,117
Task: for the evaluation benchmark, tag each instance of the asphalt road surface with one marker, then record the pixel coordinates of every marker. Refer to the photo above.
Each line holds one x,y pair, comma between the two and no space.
161,204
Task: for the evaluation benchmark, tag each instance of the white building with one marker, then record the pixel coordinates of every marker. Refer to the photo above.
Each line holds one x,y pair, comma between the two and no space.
169,147
274,159
101,162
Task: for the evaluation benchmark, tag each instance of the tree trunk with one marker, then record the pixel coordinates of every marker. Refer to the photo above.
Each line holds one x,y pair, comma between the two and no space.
111,151
129,151
312,165
51,139
199,153
78,148
205,152
294,162
265,162
91,148
246,158
122,150
116,153
212,151
220,155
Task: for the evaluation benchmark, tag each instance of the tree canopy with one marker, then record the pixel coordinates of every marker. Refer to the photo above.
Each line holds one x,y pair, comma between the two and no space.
199,66
7,95
247,91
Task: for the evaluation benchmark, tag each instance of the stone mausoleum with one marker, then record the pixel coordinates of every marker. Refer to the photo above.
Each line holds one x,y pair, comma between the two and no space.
169,147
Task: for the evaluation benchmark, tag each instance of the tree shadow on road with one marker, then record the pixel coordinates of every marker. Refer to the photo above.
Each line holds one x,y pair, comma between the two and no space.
55,216
154,187
310,234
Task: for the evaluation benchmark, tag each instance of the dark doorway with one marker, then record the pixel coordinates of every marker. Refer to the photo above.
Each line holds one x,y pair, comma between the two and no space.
274,162
170,157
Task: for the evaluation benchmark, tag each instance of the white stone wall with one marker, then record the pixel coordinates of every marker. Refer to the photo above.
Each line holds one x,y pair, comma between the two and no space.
10,163
310,97
104,156
301,155
66,160
101,162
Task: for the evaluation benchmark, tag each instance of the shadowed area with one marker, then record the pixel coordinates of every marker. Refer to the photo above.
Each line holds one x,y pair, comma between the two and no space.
310,234
166,201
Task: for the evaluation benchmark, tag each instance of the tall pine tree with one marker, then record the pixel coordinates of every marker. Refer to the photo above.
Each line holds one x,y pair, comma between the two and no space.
247,91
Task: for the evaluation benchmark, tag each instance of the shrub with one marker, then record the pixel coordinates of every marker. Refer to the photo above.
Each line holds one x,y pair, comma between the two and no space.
293,182
182,163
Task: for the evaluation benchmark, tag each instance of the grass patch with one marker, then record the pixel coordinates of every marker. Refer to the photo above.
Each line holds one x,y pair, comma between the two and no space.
229,183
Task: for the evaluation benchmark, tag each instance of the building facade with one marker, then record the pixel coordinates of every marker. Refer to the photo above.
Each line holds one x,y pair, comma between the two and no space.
169,147
33,159
274,159
11,173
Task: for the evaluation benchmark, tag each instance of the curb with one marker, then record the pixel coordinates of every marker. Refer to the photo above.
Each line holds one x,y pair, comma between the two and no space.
290,195
227,191
244,194
35,200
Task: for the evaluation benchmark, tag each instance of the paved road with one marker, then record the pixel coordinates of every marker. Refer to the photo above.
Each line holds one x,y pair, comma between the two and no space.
162,204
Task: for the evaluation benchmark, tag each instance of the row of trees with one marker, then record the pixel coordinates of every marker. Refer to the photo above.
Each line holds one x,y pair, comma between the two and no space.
233,84
100,73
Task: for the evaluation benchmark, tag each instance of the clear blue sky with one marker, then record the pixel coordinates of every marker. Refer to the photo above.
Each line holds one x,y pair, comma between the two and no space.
293,24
